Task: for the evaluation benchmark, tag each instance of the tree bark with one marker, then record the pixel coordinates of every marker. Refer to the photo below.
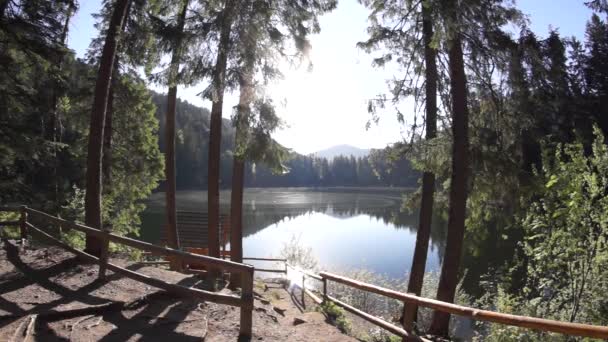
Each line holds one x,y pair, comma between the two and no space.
215,131
428,178
236,216
238,168
172,233
92,200
107,133
458,185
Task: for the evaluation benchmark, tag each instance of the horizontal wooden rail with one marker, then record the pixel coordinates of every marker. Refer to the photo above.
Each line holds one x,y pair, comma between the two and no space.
305,272
266,259
244,302
372,319
542,324
176,289
203,259
314,297
10,209
269,270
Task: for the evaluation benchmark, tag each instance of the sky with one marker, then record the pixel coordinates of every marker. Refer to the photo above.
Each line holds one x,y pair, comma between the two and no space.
327,105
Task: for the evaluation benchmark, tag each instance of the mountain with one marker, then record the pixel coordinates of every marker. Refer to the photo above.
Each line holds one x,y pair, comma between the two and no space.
341,150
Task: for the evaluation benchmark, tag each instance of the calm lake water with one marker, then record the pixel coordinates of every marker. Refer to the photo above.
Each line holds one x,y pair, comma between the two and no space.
347,229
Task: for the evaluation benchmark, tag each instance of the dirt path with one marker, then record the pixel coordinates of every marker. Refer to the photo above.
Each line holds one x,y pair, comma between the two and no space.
44,280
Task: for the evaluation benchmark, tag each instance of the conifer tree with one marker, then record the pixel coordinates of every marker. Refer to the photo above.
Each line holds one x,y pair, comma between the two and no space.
258,46
172,233
414,23
96,128
218,83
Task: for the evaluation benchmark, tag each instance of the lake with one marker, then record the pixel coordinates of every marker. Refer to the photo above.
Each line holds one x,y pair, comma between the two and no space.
346,228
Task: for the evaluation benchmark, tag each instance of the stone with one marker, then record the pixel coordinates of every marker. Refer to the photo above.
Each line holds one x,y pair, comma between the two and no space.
280,311
298,321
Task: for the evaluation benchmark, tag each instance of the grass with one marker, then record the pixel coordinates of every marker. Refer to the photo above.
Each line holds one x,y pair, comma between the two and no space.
336,316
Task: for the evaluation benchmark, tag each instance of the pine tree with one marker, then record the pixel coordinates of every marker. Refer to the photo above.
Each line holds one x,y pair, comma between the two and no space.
96,129
428,178
172,233
215,127
259,40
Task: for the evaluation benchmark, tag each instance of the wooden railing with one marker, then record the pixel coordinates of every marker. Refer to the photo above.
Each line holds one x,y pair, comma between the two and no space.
574,329
269,270
244,302
567,328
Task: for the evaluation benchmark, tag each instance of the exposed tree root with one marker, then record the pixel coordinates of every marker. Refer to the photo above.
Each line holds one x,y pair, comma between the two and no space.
30,328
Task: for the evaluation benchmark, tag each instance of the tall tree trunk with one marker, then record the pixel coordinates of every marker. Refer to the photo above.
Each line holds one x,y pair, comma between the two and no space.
428,178
458,185
107,133
172,233
236,216
106,162
238,169
92,201
215,131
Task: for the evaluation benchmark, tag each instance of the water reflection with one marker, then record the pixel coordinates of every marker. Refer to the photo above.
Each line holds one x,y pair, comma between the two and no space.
346,228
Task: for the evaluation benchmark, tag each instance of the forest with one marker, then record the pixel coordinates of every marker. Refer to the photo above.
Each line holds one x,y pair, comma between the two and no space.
382,167
508,142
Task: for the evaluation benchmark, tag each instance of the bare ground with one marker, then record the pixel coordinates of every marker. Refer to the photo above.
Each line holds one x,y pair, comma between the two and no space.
49,282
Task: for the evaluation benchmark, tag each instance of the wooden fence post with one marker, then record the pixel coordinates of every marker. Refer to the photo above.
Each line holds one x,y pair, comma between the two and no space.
303,292
324,290
103,258
247,303
409,314
23,224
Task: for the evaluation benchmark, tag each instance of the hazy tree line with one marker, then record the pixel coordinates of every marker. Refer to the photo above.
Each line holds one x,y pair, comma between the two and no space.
380,168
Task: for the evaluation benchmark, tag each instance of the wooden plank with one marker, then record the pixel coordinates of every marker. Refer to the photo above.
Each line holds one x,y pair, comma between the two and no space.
269,270
10,223
307,273
247,307
313,296
176,289
160,262
10,209
374,320
23,222
189,257
542,324
265,259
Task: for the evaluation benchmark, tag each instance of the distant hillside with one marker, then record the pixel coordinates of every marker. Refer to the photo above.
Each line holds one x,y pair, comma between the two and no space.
342,150
366,169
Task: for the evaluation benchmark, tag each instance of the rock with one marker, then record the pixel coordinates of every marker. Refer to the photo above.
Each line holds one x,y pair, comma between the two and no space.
264,301
280,311
298,321
260,309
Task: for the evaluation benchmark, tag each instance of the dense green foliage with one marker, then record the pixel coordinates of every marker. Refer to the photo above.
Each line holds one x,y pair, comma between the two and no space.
565,247
528,96
44,84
